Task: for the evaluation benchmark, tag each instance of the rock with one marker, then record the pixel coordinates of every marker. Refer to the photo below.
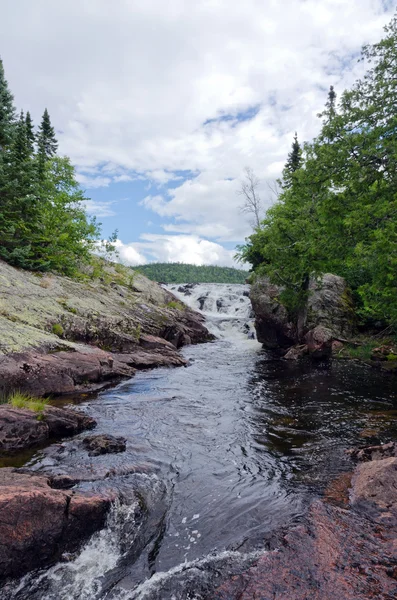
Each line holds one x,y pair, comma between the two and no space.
39,523
188,330
375,483
297,352
348,554
20,429
374,452
104,444
319,342
273,326
101,324
87,369
330,305
328,315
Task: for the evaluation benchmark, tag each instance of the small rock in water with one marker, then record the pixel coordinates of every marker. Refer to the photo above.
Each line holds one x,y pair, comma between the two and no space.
104,444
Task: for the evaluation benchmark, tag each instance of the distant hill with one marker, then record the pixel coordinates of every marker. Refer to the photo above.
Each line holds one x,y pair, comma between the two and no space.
183,273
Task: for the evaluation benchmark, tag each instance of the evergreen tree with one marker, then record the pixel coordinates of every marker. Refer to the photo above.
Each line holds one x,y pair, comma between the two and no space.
7,111
21,145
331,102
31,136
294,162
47,142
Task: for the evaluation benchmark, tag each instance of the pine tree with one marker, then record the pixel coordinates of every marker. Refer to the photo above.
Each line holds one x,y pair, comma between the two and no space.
7,111
294,162
21,146
331,102
47,142
30,134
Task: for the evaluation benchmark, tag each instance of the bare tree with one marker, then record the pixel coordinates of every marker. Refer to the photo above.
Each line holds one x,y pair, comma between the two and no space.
249,191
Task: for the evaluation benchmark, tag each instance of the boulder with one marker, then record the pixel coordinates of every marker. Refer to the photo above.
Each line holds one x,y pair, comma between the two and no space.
39,523
327,315
319,342
274,328
104,444
20,428
330,305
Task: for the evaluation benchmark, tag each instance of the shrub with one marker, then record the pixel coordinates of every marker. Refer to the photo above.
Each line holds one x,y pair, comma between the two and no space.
57,329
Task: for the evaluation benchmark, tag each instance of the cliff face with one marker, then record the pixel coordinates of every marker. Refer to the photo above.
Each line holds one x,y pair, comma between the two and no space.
58,335
328,315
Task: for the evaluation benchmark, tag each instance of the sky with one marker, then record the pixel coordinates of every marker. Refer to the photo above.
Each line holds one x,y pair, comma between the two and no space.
162,104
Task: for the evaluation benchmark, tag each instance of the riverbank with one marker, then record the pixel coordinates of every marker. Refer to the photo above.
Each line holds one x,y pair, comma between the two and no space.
60,336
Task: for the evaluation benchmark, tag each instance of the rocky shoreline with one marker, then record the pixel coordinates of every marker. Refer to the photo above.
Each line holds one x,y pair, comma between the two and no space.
58,337
345,547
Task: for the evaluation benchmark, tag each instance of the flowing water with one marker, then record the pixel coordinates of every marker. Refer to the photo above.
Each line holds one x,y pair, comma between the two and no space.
224,452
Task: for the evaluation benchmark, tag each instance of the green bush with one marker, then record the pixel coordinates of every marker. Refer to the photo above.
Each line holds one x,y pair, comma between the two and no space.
57,329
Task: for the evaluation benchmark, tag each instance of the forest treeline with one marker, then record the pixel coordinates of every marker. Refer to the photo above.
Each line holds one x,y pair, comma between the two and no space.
185,273
337,210
43,223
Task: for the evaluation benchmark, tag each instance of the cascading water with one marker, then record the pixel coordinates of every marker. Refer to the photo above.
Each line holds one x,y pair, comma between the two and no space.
227,307
223,453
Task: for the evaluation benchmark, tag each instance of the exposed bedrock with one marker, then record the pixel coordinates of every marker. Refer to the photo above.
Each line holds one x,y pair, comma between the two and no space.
327,316
336,552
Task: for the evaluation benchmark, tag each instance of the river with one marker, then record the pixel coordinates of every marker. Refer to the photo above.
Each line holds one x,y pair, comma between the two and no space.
228,450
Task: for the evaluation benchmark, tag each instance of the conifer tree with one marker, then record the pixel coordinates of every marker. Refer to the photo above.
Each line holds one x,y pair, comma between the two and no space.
7,111
21,147
294,162
30,134
47,142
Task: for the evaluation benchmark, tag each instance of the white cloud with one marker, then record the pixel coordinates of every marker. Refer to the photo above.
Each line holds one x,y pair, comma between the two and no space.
151,89
100,209
129,255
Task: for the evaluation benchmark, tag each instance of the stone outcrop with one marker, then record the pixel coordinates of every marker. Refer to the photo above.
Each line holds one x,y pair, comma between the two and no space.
336,552
104,444
39,523
20,429
274,329
327,315
59,336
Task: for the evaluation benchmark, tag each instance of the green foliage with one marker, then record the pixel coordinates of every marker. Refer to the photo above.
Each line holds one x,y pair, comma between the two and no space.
294,162
43,223
57,329
176,305
7,111
339,212
25,401
184,273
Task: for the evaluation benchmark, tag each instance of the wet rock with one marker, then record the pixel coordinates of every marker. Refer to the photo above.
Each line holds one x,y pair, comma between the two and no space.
188,330
20,429
89,368
335,552
104,444
297,352
374,452
38,522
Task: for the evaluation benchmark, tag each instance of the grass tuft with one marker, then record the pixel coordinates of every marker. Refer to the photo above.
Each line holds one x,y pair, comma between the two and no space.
21,400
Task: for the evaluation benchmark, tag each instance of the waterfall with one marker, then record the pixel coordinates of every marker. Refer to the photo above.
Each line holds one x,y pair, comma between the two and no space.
227,307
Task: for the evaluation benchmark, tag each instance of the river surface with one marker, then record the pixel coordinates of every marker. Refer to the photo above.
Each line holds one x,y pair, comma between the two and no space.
241,440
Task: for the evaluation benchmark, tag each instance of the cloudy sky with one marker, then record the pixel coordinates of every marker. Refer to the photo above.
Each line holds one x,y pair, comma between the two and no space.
162,103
